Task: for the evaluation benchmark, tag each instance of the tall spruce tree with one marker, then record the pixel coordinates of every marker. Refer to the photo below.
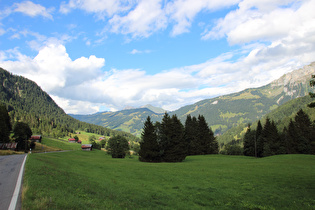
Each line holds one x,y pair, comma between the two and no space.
164,136
305,132
249,142
291,136
260,144
176,149
5,125
207,142
149,147
191,129
270,138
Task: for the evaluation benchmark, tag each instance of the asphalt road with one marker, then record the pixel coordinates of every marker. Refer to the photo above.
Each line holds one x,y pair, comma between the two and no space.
10,166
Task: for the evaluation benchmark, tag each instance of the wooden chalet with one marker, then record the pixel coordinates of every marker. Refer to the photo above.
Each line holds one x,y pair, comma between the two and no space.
10,146
101,138
71,140
87,147
37,138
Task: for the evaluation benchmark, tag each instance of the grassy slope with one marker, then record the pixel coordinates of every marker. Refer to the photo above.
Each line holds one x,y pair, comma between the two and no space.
93,180
60,144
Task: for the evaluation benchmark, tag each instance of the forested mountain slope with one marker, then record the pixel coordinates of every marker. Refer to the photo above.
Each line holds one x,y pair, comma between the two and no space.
280,115
27,102
225,112
130,120
222,113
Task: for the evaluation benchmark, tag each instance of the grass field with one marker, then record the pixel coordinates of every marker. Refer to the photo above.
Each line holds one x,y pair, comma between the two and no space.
93,180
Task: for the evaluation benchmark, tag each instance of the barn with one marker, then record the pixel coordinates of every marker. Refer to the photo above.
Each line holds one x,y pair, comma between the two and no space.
87,147
37,138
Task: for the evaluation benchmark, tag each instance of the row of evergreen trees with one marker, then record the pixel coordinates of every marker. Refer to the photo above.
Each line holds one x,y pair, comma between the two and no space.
170,141
297,138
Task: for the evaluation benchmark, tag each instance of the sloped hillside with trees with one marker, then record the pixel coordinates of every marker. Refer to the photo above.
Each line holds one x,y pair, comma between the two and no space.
27,102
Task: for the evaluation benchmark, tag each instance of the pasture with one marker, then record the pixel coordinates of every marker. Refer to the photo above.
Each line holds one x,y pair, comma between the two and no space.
93,180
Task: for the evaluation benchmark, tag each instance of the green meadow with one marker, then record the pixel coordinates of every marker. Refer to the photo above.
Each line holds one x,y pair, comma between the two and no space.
59,144
93,180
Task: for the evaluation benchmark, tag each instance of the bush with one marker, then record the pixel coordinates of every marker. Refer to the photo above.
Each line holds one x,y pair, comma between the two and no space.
118,147
233,150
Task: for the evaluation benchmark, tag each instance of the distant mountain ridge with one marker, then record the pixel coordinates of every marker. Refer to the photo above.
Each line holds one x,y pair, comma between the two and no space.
223,112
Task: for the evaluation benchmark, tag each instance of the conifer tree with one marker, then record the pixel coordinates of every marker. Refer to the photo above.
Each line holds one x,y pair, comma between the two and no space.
260,144
207,142
5,125
176,149
270,138
249,142
191,129
258,129
149,147
274,139
291,136
305,131
164,136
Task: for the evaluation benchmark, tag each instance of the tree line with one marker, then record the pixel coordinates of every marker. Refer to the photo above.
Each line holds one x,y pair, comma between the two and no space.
296,138
171,141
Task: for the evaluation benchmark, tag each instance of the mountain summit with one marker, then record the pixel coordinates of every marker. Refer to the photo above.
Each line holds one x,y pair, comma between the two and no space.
154,109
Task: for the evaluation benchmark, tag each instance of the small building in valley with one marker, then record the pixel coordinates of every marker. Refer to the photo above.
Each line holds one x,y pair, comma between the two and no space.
72,140
37,138
10,146
87,147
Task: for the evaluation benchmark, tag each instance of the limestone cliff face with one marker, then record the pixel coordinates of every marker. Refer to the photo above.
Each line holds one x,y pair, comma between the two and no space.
302,75
294,84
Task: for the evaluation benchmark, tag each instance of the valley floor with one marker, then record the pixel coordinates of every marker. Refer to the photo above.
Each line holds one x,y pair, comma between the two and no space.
93,180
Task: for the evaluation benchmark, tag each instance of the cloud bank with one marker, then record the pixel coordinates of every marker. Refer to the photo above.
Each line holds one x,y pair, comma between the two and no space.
272,38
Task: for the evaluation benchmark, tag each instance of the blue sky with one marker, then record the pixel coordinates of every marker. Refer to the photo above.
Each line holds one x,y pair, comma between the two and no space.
100,55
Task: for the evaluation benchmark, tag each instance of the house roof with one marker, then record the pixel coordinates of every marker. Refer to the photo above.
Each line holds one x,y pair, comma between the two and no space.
36,137
84,146
72,139
8,145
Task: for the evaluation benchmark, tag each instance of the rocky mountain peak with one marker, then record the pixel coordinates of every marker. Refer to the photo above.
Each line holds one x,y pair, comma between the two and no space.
302,75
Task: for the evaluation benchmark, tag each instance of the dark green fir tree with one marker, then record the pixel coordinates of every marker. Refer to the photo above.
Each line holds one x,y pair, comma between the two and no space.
191,129
207,142
249,142
149,147
176,149
305,132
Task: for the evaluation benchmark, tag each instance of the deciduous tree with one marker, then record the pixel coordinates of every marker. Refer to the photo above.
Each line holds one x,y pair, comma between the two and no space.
118,147
22,133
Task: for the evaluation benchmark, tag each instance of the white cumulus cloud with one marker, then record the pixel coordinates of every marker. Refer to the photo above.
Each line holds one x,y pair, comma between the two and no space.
31,9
